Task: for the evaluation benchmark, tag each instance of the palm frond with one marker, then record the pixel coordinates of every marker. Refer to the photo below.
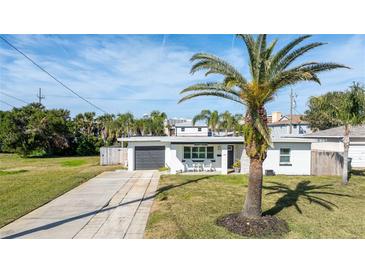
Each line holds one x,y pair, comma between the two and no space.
252,54
290,58
320,67
211,86
212,93
290,78
215,65
203,115
270,48
286,49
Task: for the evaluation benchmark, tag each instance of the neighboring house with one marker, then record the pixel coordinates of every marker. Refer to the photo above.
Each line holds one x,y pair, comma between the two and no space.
170,125
188,129
331,140
290,156
280,125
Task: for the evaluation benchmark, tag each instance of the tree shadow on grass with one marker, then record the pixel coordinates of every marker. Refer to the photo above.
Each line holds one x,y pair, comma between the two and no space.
304,189
171,186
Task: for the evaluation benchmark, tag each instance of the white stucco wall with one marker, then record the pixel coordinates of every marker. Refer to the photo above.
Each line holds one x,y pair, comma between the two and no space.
176,163
300,156
131,151
300,159
191,131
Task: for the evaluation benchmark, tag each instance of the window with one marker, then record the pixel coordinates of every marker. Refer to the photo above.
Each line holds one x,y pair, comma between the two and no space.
182,129
210,152
202,151
198,152
187,152
285,156
195,152
199,129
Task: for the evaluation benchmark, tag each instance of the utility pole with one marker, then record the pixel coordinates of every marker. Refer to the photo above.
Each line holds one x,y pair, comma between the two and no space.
40,96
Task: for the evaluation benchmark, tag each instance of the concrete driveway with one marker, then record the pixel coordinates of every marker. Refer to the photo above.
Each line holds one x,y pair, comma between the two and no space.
112,205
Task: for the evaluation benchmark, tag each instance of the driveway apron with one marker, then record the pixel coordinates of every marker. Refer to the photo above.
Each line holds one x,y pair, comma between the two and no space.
111,205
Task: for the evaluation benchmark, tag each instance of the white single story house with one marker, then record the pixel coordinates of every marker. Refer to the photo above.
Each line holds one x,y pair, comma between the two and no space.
290,156
331,140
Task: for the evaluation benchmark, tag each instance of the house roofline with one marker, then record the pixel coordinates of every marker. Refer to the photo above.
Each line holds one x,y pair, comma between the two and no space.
206,140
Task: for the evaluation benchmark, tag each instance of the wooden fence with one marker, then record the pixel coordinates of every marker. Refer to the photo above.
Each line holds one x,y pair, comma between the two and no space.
326,163
113,156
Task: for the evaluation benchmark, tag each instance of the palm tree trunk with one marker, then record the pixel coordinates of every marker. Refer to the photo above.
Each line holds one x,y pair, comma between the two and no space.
346,145
252,206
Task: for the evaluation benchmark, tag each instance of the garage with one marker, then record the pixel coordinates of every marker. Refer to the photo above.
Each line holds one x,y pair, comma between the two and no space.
149,157
357,154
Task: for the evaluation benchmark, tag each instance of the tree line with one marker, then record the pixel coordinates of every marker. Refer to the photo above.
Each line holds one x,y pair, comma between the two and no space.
33,130
225,122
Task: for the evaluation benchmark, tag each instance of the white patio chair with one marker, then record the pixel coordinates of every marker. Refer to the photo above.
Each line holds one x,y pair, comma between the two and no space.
189,165
198,167
207,165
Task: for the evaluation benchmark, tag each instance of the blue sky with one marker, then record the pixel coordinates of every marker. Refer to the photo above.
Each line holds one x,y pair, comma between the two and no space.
141,73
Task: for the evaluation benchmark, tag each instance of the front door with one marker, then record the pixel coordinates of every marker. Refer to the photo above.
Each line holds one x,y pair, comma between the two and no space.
230,156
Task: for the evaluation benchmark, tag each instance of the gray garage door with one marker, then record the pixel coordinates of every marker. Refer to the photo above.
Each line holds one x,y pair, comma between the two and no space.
152,157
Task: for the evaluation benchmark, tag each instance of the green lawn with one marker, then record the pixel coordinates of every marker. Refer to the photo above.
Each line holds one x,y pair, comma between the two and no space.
314,207
27,183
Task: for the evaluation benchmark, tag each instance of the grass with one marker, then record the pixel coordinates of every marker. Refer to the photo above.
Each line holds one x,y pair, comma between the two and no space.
27,183
313,206
74,162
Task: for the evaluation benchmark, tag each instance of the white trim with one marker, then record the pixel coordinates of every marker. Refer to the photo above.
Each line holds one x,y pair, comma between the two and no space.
206,139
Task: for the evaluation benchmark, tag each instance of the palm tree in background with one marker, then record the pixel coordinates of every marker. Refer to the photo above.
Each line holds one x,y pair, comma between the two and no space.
125,124
239,124
227,122
271,70
106,128
86,122
157,122
210,117
346,109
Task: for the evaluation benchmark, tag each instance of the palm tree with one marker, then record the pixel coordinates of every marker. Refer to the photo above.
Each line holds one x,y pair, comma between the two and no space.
227,122
346,109
210,117
86,122
270,72
105,126
238,125
157,122
141,126
125,123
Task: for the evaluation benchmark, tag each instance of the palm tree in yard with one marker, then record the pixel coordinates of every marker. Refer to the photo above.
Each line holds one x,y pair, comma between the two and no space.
346,109
271,70
210,117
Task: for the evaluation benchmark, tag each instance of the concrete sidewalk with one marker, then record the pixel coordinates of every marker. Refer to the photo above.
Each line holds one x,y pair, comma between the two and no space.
112,205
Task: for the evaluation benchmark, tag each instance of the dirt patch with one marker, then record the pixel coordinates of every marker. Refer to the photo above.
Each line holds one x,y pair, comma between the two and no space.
263,227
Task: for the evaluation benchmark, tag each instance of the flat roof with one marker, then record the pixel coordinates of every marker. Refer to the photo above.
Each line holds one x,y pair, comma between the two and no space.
205,139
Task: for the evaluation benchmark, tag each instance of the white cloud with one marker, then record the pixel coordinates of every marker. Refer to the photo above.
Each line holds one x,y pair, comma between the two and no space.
136,73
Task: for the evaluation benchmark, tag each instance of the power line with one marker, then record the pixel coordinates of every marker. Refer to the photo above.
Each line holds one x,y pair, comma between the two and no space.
7,104
16,98
113,98
50,75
